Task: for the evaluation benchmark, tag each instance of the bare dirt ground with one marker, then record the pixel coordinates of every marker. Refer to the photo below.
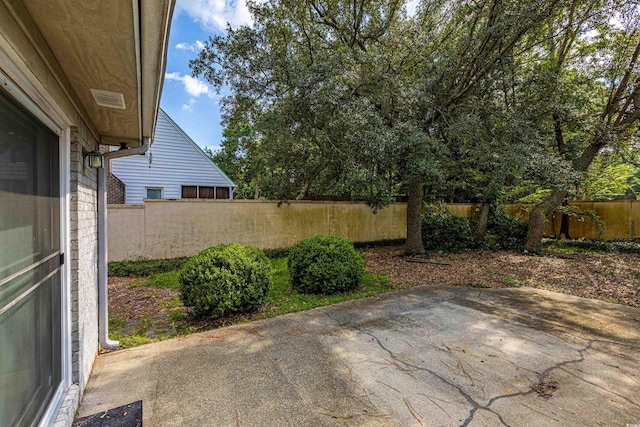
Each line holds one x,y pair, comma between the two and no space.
612,277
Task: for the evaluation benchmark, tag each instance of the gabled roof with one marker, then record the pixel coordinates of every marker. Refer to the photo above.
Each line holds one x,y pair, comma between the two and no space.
196,146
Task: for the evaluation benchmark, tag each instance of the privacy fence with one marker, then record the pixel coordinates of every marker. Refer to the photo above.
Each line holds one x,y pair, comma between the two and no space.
175,228
619,218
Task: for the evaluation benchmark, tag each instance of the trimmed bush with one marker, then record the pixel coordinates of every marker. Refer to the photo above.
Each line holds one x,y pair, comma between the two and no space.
446,232
225,279
325,265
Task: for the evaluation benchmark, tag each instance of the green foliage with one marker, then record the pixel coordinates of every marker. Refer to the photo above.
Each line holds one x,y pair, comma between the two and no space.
285,299
325,265
225,279
505,232
536,197
632,247
609,178
379,243
276,253
446,232
284,252
144,268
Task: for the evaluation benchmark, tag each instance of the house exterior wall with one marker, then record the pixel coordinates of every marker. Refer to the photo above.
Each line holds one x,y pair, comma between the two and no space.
83,256
172,161
43,92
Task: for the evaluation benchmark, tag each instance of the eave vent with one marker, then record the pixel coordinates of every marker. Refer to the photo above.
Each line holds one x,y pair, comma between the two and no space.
105,98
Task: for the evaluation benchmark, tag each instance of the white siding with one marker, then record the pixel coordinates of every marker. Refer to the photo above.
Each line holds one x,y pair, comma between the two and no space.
176,161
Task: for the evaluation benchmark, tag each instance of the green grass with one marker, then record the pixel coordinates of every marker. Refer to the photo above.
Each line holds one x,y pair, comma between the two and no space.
287,300
168,280
282,297
512,282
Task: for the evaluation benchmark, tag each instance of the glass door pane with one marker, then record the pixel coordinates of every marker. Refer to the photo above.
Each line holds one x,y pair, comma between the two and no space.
30,276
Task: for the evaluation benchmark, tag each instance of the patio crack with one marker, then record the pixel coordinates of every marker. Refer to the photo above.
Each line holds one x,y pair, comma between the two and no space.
476,406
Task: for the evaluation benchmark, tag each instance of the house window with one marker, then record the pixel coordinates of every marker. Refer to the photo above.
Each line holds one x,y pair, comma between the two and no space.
206,193
154,193
189,192
222,192
203,192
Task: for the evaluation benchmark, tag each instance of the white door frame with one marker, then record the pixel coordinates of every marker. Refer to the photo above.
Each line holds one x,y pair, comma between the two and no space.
54,118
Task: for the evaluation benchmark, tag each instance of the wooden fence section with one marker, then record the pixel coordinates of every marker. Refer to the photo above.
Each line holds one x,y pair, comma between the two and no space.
174,228
621,218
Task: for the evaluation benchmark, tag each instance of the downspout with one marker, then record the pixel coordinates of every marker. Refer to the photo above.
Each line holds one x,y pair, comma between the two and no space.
103,297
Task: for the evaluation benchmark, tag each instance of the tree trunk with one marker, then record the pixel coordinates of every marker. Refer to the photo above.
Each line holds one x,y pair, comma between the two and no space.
538,217
304,192
256,193
483,221
564,225
414,243
539,213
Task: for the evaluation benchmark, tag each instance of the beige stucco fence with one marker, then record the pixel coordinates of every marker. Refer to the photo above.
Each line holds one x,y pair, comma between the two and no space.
175,228
162,229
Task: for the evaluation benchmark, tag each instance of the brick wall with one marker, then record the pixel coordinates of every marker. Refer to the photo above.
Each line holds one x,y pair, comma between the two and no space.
83,257
115,190
115,187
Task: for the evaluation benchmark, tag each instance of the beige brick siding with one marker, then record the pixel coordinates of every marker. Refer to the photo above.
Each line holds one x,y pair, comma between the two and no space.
83,257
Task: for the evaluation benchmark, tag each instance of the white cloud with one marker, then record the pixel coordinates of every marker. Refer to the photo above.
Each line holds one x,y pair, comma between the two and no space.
213,15
192,85
196,46
189,106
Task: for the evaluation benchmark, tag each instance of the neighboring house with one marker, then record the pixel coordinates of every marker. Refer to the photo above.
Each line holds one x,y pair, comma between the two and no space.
174,168
74,75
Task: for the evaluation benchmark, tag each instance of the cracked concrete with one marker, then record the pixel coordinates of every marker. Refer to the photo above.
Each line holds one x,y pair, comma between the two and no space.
426,356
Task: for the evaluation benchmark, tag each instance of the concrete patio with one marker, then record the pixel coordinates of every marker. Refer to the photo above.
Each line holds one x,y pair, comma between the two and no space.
426,356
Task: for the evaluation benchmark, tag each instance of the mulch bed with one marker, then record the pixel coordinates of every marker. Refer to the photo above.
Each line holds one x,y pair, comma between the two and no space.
613,277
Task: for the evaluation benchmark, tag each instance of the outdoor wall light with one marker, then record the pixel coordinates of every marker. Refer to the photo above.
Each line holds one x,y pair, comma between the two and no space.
96,159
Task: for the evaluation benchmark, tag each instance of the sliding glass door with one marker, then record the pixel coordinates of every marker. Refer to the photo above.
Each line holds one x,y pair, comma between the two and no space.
30,266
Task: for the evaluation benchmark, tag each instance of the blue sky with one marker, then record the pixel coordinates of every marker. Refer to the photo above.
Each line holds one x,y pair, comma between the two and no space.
191,102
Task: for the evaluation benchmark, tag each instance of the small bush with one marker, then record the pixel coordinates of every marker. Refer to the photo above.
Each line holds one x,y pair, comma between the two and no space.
225,279
325,265
446,232
506,232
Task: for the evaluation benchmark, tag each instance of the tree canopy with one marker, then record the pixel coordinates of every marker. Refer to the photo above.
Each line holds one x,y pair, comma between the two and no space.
463,101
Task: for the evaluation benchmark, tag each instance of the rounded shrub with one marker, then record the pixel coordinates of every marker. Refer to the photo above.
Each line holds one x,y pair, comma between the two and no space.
446,232
225,279
325,265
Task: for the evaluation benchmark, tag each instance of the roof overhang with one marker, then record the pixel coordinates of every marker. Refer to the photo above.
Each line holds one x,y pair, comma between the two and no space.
113,56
